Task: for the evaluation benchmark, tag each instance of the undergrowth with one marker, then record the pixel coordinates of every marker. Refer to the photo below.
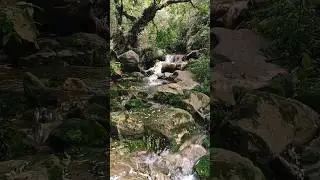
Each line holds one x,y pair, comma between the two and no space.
293,26
201,70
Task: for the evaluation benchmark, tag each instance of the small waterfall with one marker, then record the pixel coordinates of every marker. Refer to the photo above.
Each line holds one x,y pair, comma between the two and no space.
153,80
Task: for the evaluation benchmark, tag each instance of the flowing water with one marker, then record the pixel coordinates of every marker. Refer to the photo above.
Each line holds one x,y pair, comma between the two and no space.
154,80
178,165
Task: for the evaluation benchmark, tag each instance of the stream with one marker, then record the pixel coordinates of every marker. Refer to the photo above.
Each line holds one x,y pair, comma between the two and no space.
163,164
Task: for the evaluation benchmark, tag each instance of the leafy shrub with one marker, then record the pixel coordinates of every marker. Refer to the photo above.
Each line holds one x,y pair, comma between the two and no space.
292,25
17,22
115,68
202,71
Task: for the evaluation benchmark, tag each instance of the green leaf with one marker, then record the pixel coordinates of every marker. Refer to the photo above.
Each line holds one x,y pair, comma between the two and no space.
307,61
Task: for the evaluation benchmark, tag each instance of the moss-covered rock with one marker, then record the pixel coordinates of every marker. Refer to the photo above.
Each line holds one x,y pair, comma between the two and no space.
228,165
173,123
98,113
83,49
264,124
54,168
78,132
128,125
137,103
158,125
175,100
14,143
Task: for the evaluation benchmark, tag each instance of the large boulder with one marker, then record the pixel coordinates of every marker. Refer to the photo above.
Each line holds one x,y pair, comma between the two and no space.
130,61
150,56
77,132
226,13
243,65
14,143
262,126
228,165
170,124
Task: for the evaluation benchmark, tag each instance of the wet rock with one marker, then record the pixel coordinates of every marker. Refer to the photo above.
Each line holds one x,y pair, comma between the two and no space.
102,100
122,163
310,159
14,143
171,67
144,165
185,159
7,166
73,132
228,13
243,66
127,125
233,16
150,56
173,123
37,174
74,84
98,113
42,57
228,165
195,54
198,104
36,92
263,125
35,167
182,81
83,49
130,61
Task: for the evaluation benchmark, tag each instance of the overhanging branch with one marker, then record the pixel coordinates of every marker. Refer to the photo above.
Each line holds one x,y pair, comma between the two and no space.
169,2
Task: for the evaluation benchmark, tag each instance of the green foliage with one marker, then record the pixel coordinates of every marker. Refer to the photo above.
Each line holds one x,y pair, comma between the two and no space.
17,22
170,26
115,68
203,166
135,144
202,71
293,28
137,104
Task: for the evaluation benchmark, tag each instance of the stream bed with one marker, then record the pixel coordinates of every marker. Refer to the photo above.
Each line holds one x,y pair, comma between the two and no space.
174,160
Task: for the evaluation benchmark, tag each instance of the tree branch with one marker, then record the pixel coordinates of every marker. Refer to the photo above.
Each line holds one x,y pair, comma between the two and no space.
128,16
169,2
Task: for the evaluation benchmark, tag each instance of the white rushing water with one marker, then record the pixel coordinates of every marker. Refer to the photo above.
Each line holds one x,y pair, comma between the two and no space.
183,171
166,164
156,70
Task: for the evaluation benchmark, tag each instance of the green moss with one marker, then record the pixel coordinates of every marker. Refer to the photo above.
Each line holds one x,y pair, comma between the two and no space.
81,132
55,173
137,104
13,143
155,141
203,167
206,142
135,144
201,70
96,110
175,100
